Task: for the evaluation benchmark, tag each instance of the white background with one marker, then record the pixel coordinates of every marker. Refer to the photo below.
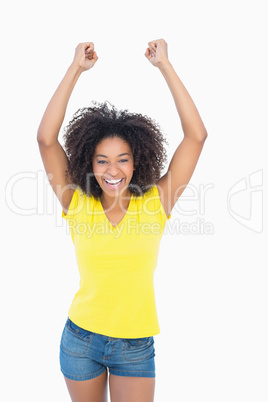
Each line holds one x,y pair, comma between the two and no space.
211,288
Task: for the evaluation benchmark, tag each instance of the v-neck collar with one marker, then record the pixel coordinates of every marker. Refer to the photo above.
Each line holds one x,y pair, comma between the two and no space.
124,217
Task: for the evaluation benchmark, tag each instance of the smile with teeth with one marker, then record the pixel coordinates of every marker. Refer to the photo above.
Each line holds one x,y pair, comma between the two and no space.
113,183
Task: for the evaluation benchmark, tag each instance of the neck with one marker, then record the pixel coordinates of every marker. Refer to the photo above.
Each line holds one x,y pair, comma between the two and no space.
118,201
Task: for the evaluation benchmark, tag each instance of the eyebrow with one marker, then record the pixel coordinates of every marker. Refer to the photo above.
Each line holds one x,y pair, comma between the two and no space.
104,156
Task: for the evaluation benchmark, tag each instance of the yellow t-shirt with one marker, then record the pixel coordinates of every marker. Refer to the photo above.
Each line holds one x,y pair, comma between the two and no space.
116,264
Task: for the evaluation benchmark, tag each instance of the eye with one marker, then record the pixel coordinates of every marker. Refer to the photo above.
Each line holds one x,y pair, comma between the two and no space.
122,160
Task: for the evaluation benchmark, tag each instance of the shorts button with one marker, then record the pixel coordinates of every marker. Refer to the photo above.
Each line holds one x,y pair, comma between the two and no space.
139,341
77,330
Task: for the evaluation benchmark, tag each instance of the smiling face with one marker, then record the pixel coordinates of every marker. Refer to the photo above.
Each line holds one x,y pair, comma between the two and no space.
113,166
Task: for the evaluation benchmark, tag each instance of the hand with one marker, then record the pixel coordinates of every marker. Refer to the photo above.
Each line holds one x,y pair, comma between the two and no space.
85,57
156,53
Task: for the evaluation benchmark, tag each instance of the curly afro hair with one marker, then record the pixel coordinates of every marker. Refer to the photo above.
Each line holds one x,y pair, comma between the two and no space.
90,125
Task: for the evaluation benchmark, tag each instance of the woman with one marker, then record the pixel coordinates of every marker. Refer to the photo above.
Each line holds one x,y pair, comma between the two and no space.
116,204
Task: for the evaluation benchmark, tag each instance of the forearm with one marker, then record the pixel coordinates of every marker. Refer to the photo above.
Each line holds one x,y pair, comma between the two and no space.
191,122
51,122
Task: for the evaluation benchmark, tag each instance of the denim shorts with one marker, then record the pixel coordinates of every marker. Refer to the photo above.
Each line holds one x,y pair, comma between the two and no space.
85,355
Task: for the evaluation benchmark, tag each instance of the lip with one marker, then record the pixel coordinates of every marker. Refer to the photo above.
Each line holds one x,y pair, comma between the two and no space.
113,187
114,178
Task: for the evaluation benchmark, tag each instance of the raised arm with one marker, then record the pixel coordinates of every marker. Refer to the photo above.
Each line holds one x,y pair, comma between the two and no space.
186,156
52,153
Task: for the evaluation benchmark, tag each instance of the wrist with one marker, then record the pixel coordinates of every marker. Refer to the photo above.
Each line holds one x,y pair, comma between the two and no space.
165,66
75,69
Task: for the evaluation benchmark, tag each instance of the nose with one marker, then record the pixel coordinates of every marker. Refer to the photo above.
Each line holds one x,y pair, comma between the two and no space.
112,169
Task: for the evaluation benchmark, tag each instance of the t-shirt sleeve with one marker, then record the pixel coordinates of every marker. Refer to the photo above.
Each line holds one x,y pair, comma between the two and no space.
159,204
75,205
154,206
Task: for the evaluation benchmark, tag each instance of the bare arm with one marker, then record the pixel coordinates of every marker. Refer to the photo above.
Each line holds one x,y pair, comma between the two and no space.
52,119
186,156
52,153
191,122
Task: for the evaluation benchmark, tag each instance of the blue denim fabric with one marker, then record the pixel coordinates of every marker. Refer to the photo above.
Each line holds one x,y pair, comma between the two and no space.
85,355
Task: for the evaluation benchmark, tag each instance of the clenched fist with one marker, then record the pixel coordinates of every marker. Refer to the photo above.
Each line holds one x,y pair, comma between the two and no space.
157,53
85,57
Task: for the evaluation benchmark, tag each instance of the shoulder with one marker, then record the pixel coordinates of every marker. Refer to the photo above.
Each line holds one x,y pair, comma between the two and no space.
162,193
76,196
156,192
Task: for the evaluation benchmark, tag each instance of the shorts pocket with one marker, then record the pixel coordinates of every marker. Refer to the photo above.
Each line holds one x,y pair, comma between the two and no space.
75,340
138,349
